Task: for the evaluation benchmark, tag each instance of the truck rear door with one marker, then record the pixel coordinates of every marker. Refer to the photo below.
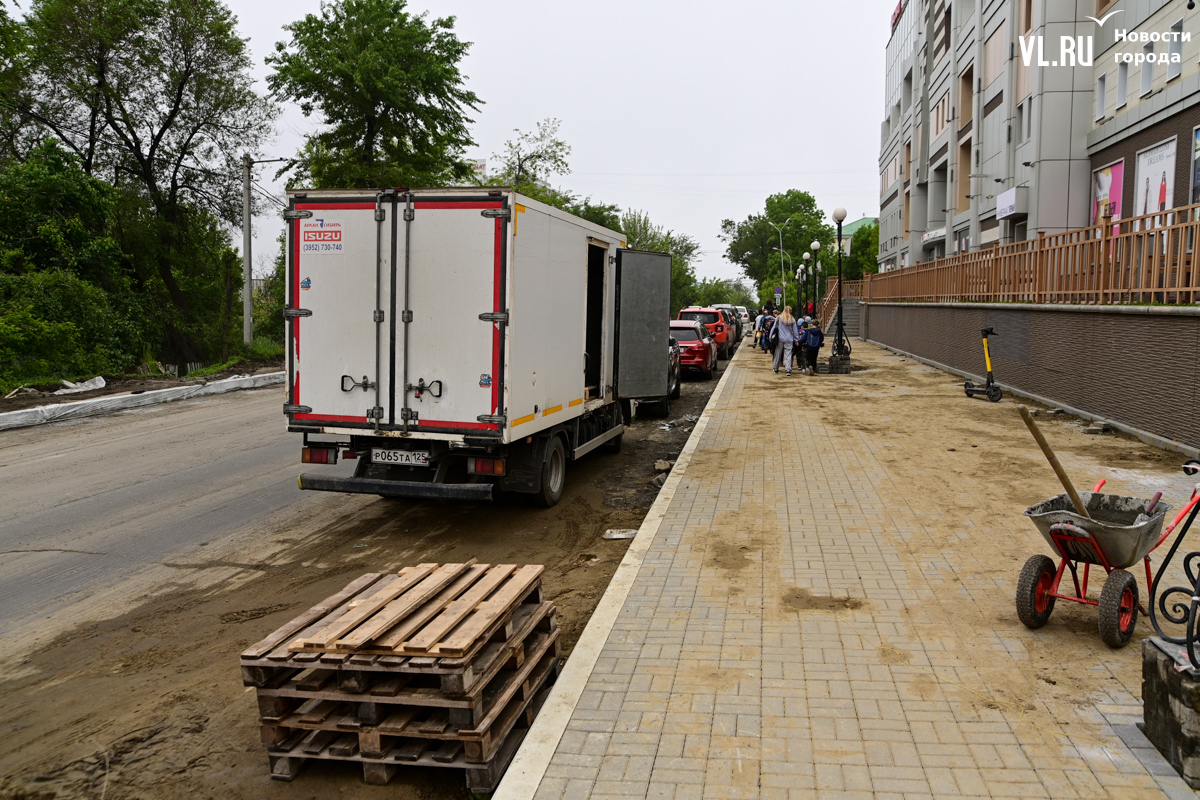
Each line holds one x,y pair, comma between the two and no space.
453,258
643,323
339,271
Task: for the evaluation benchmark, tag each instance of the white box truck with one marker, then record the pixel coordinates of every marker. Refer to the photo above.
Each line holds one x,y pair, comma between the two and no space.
463,342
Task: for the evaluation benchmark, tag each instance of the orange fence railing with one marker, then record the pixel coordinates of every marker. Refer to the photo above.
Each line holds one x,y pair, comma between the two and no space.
1147,259
828,305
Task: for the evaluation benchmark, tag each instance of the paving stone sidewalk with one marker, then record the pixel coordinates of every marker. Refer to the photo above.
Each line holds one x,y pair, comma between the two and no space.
776,644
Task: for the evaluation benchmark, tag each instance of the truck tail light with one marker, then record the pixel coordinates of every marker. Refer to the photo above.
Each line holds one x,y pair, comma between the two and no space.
319,455
349,454
485,466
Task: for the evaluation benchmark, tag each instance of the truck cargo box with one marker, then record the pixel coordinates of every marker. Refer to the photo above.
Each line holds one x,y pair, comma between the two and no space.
448,322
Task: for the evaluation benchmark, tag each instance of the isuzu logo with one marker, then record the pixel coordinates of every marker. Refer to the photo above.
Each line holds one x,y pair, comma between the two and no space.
322,236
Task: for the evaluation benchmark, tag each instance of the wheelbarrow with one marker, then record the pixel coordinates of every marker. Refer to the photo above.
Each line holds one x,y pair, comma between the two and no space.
1118,532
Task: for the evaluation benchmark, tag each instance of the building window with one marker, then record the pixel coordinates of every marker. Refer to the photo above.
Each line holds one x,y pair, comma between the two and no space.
1175,49
1020,123
1122,84
1147,69
1026,17
940,116
995,55
1101,96
966,96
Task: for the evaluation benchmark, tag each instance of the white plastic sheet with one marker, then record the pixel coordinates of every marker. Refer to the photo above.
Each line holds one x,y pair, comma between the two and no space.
85,386
122,402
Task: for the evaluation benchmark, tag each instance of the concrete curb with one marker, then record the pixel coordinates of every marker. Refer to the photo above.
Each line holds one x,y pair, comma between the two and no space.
525,774
123,402
1152,439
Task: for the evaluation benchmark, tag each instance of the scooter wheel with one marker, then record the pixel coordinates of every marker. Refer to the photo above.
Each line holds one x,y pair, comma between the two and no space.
994,393
969,388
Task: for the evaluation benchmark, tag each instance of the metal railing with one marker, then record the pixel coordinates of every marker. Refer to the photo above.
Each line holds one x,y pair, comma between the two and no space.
828,305
1147,259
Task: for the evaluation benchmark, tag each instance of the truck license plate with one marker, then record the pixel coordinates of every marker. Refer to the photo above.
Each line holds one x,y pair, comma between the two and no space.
411,458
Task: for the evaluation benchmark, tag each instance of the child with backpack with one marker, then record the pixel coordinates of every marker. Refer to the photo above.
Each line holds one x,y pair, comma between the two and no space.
814,339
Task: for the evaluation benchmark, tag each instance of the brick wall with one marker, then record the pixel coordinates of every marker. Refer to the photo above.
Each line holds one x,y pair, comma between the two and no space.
1142,370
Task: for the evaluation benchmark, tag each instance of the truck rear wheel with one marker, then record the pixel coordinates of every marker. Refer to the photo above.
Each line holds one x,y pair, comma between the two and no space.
554,474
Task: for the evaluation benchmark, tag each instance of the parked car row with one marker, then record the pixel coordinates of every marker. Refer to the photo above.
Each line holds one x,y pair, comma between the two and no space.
722,322
700,338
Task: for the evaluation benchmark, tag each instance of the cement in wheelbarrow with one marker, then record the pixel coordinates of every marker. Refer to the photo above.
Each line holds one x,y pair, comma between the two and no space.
1118,525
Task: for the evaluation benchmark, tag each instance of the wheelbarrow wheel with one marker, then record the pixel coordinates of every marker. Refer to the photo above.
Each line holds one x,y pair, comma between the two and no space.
994,393
1034,601
1118,608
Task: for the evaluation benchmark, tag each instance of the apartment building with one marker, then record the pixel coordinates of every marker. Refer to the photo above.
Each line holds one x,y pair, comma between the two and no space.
986,131
1145,137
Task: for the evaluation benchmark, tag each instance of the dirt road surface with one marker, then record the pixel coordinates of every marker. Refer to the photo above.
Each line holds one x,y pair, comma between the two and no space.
143,551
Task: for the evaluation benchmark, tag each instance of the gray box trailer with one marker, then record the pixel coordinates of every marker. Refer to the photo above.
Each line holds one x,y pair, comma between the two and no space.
461,342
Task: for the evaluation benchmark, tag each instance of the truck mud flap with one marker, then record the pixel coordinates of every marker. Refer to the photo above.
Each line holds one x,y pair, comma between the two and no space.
442,491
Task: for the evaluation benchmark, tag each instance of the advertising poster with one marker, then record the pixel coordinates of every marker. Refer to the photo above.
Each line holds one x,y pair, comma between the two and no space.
1107,189
1154,189
1196,165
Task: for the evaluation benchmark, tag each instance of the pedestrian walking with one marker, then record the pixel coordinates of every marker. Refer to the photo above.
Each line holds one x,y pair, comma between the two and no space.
758,325
765,338
787,333
801,350
813,342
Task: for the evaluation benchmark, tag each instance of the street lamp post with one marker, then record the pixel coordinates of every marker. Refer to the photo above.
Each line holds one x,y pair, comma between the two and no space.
806,269
782,274
784,255
816,293
841,347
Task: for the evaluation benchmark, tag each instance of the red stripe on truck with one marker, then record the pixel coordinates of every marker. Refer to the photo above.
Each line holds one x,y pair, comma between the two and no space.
473,426
452,205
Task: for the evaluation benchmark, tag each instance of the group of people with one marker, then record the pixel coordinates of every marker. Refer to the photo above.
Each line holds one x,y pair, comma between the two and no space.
789,340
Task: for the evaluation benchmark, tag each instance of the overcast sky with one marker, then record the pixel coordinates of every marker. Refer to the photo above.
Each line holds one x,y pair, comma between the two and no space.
693,111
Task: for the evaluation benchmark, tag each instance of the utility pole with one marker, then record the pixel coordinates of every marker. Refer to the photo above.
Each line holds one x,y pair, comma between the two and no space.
247,272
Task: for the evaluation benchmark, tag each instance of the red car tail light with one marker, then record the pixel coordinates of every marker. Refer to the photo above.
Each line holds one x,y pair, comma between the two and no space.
319,455
485,466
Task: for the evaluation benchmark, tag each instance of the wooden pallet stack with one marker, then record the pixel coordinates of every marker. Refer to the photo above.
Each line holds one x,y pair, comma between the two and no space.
436,665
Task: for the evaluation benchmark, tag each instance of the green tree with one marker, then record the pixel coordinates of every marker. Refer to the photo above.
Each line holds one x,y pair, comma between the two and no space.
530,160
155,96
752,243
68,304
864,251
388,87
642,234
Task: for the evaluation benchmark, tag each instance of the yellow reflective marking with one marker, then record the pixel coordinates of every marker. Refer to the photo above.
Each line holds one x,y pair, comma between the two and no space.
574,403
622,244
522,420
550,411
516,220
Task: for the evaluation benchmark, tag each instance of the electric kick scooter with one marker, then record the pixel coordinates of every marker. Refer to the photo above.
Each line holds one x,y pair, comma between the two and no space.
990,389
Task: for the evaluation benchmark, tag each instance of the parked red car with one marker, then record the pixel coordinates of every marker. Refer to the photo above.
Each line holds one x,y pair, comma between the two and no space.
697,347
718,325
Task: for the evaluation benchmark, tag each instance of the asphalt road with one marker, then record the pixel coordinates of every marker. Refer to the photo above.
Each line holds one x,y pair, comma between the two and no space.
85,504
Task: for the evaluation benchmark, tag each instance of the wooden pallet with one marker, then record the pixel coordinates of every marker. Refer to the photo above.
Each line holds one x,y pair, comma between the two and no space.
427,611
483,757
435,665
456,677
312,700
